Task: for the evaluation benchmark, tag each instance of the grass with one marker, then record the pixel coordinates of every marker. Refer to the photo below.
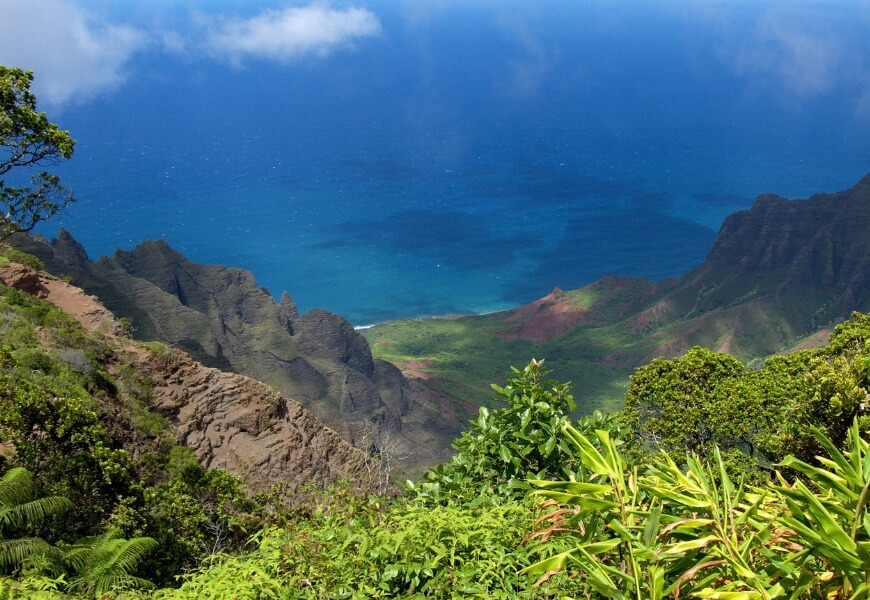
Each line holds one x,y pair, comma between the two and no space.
463,356
9,254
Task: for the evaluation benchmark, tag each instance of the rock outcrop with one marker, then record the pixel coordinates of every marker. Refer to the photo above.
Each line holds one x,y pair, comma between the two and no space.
86,309
777,272
243,426
222,318
230,421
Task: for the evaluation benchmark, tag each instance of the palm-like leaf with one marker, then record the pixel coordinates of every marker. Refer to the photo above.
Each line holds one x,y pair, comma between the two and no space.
109,562
663,534
18,505
831,522
14,552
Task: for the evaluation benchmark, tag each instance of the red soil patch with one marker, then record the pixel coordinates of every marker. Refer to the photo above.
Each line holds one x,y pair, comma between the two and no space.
558,313
816,340
550,317
414,368
85,309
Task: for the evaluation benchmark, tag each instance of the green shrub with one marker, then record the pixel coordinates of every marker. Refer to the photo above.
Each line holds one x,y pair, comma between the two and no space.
670,532
10,254
504,447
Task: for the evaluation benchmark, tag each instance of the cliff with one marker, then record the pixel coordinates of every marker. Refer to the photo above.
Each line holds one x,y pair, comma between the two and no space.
229,421
222,318
776,273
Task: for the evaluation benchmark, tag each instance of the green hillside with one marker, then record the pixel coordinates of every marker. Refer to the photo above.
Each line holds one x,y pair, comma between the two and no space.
776,274
460,357
534,504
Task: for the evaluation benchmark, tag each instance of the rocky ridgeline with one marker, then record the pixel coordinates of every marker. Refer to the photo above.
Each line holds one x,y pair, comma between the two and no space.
238,424
228,420
780,271
777,272
222,318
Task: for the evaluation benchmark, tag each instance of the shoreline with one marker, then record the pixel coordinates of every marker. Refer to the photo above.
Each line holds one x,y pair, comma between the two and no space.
448,316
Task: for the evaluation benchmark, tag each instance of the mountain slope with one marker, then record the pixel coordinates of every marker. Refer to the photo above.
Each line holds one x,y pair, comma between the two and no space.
776,274
229,421
222,318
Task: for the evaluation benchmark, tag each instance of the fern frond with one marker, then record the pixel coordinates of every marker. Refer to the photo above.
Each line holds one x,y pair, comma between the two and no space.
14,552
108,562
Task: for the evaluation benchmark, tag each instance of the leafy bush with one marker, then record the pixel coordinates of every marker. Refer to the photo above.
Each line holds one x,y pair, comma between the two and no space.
707,399
669,532
22,509
63,442
10,254
108,563
504,447
352,548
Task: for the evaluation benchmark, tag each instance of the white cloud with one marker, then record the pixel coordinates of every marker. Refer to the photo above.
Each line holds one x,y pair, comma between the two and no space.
798,51
74,55
529,70
807,62
173,42
292,32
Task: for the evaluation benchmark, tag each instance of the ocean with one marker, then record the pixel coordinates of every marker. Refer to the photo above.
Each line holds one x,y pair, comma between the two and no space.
471,159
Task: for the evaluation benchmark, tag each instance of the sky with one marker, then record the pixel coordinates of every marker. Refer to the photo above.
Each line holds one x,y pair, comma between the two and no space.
85,49
406,157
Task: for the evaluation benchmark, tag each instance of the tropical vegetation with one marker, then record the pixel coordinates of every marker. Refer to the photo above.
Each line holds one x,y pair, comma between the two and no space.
28,141
717,480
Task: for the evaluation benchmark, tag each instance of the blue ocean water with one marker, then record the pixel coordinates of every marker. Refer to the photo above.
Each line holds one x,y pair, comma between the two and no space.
469,161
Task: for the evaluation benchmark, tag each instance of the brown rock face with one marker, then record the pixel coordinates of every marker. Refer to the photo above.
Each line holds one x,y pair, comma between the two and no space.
222,318
230,421
22,278
235,423
87,310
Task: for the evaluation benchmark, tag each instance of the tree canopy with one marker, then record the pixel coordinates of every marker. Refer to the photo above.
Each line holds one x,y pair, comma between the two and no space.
707,399
28,141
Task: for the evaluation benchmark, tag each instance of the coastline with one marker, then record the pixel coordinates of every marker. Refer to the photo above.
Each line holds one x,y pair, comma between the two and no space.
448,316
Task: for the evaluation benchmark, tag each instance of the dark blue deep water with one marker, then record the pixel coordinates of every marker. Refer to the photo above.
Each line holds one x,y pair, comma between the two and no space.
473,157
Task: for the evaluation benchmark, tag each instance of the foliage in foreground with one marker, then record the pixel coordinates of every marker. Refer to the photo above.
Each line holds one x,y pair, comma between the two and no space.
95,566
28,140
407,551
505,447
756,417
617,523
21,506
75,414
670,532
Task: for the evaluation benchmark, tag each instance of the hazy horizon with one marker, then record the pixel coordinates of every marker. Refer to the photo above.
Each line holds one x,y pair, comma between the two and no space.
405,158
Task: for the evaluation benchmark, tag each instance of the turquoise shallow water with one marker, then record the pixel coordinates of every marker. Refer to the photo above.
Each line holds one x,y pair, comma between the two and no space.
413,175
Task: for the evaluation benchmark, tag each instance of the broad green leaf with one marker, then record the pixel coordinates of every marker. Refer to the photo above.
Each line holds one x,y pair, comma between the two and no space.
703,542
599,547
549,446
589,454
656,576
549,564
587,502
717,595
651,529
580,488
